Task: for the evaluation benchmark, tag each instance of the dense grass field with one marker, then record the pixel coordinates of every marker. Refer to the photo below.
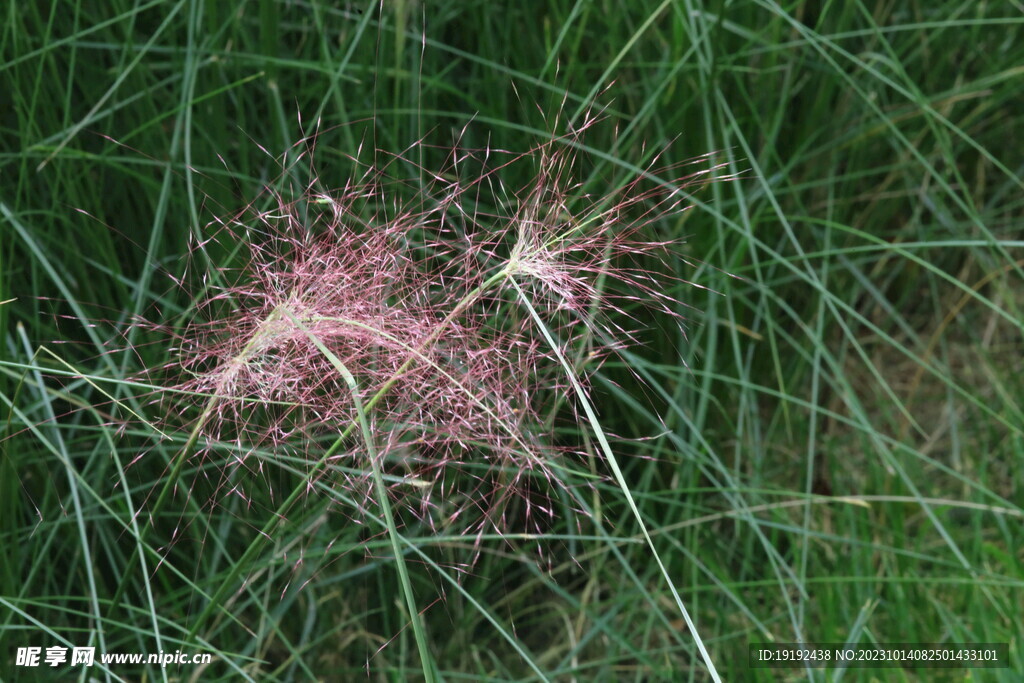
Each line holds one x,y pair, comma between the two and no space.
781,400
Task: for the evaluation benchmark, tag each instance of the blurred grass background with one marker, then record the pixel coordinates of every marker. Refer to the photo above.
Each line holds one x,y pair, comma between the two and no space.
839,434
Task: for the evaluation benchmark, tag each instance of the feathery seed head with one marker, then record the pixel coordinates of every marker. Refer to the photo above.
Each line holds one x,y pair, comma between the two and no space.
418,305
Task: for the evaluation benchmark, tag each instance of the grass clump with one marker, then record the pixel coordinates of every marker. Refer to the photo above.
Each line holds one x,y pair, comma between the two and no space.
827,450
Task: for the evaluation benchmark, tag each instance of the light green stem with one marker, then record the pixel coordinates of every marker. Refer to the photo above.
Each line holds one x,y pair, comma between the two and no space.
619,478
382,495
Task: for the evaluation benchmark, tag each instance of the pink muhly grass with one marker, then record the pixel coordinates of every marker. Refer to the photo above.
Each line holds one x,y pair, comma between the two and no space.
420,305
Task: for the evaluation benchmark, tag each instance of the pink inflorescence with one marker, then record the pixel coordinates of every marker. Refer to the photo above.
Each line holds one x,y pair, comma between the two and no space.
423,306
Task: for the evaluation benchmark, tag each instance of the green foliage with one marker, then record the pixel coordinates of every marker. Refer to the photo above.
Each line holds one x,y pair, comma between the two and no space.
830,453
